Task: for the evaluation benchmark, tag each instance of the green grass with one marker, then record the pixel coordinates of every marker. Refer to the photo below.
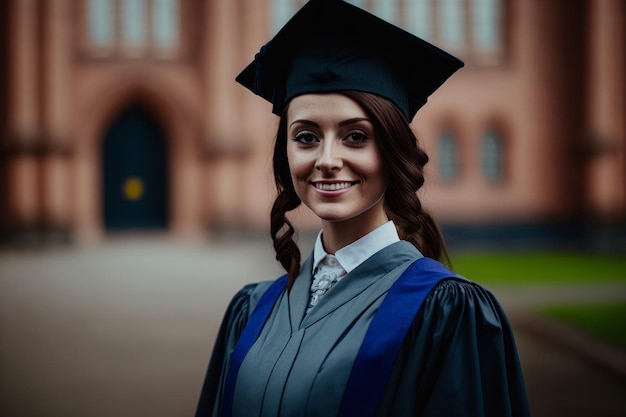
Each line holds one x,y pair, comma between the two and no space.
607,321
539,268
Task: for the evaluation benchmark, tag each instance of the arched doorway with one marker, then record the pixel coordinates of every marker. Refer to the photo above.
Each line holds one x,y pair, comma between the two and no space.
134,172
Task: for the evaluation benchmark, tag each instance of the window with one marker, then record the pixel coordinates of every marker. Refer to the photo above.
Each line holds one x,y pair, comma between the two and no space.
418,18
493,156
100,22
472,29
358,3
133,23
448,157
136,28
282,10
165,20
451,23
386,10
486,22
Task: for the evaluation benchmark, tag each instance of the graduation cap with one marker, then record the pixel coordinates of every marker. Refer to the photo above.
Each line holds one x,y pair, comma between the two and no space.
331,45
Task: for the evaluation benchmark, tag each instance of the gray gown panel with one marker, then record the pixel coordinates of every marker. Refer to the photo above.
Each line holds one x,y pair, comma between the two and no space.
299,365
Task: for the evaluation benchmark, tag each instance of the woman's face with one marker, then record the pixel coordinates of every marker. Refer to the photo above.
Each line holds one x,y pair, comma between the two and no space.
335,164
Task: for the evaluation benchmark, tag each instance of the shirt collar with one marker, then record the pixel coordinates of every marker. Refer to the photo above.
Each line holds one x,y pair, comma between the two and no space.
357,252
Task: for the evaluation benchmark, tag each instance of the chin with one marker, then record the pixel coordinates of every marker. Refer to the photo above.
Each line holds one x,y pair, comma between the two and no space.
338,217
333,215
334,218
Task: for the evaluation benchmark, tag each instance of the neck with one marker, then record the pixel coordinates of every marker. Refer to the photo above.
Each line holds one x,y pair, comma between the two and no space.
337,235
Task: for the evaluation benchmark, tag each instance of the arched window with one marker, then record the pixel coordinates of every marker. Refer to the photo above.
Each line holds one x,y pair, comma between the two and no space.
448,160
493,156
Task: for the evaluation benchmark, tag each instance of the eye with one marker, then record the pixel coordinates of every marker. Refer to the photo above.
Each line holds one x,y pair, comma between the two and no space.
356,138
305,138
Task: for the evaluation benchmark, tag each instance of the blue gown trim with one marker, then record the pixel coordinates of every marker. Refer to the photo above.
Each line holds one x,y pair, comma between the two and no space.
385,335
248,337
380,346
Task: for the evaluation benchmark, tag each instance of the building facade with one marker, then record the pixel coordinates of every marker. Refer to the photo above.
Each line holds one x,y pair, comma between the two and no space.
123,115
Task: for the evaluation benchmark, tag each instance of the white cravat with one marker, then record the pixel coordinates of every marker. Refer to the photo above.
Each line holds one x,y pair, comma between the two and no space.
327,274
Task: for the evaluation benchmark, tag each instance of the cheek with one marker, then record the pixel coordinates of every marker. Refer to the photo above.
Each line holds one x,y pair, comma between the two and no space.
382,179
378,175
373,167
382,172
299,165
296,171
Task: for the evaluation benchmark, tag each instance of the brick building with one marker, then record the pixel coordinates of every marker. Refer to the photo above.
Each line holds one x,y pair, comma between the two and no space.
123,114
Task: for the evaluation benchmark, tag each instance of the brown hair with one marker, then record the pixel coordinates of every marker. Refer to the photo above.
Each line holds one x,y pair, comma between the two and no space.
404,161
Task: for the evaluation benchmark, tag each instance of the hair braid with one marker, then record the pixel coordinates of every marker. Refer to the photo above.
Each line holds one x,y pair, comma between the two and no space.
281,229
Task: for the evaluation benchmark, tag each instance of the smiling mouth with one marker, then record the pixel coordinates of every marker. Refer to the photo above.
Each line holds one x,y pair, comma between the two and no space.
335,186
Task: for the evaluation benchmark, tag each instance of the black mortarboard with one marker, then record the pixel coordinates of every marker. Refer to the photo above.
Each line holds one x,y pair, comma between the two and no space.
330,45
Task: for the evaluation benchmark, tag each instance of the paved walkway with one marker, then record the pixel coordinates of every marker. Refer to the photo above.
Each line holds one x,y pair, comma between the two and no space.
125,329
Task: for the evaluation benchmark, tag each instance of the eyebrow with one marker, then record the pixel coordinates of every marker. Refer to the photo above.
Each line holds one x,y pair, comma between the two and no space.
341,124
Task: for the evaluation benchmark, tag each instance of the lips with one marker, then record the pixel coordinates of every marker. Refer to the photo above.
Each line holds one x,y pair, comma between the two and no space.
332,186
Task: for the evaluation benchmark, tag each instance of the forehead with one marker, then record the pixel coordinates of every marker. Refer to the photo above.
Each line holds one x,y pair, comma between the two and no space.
328,105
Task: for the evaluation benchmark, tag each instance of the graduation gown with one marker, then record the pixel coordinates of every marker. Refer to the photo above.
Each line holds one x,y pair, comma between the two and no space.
458,358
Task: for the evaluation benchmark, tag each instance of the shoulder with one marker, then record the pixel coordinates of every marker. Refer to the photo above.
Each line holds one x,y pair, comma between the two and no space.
452,296
459,316
240,308
461,303
448,287
461,335
246,299
458,290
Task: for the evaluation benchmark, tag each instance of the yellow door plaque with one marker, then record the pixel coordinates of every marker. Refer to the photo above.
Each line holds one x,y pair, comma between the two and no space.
133,189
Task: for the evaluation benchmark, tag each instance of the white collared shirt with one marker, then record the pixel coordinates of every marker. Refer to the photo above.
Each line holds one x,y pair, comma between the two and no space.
329,269
357,252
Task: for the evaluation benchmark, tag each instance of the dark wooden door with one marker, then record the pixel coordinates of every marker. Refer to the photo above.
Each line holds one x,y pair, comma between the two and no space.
134,173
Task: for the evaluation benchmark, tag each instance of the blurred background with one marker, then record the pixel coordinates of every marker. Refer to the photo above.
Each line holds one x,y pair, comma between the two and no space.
135,178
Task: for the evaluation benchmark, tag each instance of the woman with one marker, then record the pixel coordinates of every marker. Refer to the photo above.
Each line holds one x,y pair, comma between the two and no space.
369,323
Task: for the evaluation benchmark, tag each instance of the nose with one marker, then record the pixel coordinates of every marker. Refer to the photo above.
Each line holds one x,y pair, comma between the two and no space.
329,159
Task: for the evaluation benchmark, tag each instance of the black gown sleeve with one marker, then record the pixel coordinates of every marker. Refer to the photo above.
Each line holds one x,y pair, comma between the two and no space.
459,359
234,321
